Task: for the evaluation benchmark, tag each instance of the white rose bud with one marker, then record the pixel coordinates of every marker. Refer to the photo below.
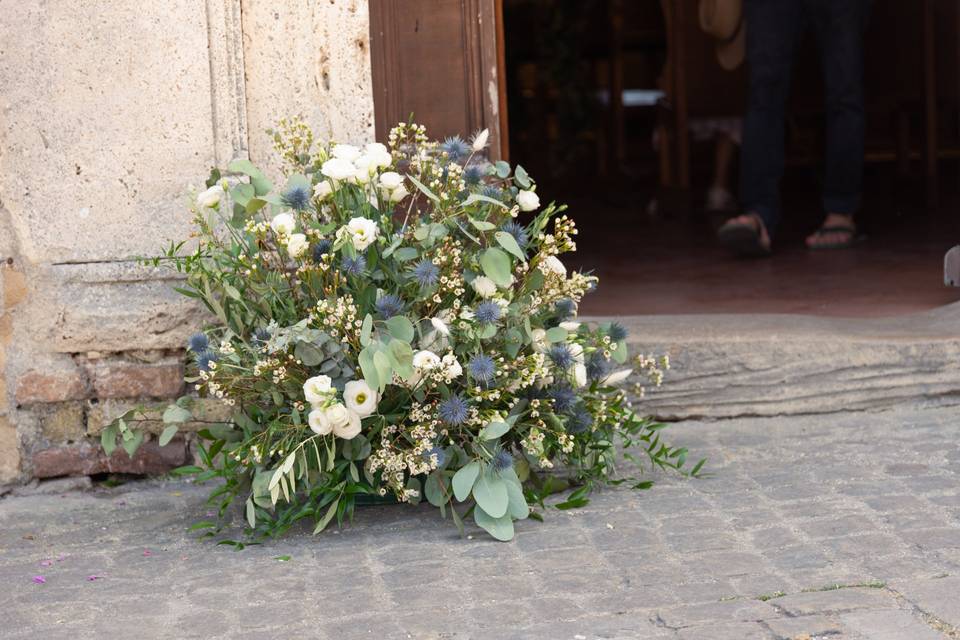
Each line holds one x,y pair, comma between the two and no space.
210,197
345,423
360,398
318,389
283,224
528,200
297,245
390,180
484,286
317,419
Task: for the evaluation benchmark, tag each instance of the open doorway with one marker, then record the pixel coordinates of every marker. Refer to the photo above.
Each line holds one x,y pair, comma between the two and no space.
588,98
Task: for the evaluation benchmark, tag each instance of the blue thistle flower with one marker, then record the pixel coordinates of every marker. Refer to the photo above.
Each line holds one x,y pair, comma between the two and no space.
580,420
456,148
436,451
297,197
321,249
482,368
565,308
564,398
198,342
260,337
502,461
453,410
617,332
354,266
389,305
487,312
205,358
491,191
426,273
561,356
473,175
597,366
519,233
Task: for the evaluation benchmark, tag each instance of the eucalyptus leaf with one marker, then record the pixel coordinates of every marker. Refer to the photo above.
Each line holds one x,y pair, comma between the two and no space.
176,414
464,479
490,492
494,430
509,243
400,328
167,434
496,266
500,528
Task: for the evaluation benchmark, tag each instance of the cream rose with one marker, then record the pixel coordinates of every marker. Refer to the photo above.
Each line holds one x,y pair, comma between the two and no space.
399,193
346,152
210,197
344,422
362,232
322,189
297,245
390,180
338,169
319,424
318,389
484,286
528,200
283,224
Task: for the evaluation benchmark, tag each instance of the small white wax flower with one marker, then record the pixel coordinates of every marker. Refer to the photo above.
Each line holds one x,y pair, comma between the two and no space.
553,265
322,189
297,245
617,376
210,197
399,193
362,231
345,423
318,389
360,398
484,286
570,325
480,140
317,419
346,152
440,326
390,180
451,367
528,200
338,169
379,155
580,374
283,224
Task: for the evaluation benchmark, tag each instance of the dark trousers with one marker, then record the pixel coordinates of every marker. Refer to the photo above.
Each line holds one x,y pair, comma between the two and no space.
774,28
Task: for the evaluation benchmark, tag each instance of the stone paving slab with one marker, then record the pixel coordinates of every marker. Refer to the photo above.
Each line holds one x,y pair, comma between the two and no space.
836,527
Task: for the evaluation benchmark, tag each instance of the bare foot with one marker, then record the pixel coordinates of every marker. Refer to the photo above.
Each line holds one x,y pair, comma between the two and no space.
842,232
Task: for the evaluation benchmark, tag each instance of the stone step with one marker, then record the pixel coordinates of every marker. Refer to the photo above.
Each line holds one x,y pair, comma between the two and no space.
725,366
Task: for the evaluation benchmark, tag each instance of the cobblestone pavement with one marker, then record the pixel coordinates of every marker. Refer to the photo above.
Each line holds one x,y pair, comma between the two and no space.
835,526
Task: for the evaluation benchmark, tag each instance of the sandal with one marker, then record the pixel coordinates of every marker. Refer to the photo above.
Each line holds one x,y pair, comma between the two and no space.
849,230
744,239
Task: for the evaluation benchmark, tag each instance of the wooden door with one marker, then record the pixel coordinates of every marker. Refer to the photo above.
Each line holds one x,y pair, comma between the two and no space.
440,61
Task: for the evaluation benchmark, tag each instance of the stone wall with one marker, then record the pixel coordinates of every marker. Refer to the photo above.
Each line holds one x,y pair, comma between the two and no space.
109,113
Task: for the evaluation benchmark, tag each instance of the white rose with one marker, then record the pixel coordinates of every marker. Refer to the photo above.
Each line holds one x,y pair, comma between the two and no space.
576,351
322,189
283,224
425,360
360,398
451,367
528,200
346,152
480,140
210,197
317,419
338,169
379,154
362,231
484,286
318,389
297,245
539,340
570,325
553,265
345,423
617,377
399,193
440,326
390,180
580,374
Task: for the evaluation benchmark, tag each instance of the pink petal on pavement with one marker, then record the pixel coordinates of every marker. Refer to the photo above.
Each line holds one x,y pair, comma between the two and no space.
39,579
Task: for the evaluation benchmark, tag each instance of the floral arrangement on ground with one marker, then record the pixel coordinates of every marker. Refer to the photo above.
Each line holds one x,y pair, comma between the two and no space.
395,322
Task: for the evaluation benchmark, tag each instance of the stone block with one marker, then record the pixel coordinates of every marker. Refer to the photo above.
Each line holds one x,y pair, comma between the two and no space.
937,596
58,382
9,451
14,288
62,423
834,600
892,624
83,459
206,410
804,627
136,380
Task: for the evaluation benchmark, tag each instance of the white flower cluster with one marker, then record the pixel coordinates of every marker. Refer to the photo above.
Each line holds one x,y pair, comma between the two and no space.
328,415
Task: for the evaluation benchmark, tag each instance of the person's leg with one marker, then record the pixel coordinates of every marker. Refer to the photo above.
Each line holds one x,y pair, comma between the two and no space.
839,28
719,197
773,27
